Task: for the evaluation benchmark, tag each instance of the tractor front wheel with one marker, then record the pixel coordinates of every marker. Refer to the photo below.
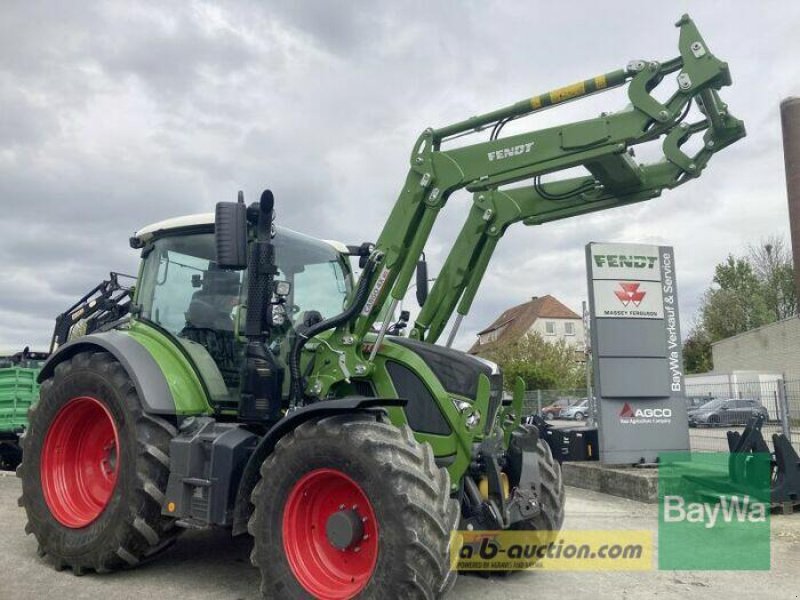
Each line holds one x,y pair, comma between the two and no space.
94,469
352,506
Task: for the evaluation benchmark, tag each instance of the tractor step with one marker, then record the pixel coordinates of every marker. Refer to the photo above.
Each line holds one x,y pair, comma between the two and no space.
192,524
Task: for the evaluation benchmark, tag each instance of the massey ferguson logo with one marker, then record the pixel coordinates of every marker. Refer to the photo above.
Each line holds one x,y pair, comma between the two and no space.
630,294
644,415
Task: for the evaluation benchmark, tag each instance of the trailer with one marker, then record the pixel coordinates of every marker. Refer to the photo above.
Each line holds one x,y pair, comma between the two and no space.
18,391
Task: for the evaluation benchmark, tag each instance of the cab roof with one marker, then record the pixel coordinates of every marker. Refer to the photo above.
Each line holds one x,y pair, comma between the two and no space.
145,234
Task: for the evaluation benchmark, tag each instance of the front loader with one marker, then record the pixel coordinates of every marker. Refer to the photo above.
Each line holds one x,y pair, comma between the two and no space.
249,384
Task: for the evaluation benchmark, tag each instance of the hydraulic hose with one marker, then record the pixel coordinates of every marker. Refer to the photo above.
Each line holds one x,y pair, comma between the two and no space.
305,334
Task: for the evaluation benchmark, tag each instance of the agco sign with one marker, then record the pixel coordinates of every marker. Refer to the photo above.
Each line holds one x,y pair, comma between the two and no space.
628,414
636,352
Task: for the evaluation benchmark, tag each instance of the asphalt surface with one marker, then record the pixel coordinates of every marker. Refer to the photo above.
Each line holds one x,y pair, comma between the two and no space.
212,565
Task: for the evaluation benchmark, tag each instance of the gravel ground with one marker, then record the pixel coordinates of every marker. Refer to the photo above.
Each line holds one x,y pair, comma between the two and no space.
212,565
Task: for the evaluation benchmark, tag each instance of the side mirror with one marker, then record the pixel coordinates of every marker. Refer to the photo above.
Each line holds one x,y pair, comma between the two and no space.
230,234
422,281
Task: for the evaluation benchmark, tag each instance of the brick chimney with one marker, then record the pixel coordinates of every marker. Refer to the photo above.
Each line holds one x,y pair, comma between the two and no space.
790,123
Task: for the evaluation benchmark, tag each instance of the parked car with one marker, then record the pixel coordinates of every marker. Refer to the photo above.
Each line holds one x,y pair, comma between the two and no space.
553,411
721,412
576,411
695,402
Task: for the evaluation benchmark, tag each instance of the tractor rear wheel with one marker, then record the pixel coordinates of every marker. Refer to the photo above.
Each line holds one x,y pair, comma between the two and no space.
352,506
94,469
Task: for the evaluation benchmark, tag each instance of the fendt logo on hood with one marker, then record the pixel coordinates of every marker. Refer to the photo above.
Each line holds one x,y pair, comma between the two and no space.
644,415
630,294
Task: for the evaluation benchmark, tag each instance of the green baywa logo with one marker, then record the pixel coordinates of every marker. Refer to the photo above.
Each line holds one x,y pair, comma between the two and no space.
741,509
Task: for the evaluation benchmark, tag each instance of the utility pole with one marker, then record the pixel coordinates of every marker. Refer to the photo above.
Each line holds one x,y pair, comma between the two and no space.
587,353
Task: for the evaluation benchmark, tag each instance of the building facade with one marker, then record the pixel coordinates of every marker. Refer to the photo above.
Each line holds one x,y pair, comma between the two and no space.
544,315
773,348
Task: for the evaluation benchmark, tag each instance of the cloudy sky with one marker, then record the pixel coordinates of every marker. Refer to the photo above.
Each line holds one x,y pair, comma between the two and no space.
115,115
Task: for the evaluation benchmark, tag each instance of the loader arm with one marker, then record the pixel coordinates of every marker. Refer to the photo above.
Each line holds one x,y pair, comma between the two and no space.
601,145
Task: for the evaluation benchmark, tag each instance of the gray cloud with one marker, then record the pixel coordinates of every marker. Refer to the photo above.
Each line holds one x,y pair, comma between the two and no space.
114,115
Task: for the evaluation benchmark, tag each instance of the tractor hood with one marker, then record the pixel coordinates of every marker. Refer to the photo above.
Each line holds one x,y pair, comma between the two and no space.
457,371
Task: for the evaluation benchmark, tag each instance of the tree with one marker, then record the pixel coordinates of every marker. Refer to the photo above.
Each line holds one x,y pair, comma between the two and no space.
541,364
746,292
697,352
772,263
738,304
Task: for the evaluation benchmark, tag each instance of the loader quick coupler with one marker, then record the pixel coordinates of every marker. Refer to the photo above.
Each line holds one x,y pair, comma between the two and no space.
785,462
508,489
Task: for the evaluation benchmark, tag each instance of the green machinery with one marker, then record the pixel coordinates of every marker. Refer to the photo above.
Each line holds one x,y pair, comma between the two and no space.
18,390
248,385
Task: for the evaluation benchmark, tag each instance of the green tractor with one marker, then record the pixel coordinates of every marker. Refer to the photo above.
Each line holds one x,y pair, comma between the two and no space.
254,383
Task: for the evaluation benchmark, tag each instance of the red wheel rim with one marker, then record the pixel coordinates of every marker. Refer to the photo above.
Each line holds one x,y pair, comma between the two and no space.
80,462
325,571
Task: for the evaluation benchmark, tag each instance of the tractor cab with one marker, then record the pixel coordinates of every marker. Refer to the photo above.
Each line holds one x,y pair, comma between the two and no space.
183,291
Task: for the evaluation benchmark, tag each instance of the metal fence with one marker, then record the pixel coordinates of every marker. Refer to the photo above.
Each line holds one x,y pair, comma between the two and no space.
537,400
725,407
717,408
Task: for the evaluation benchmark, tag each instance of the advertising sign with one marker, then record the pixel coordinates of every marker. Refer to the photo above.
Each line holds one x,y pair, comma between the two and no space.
636,352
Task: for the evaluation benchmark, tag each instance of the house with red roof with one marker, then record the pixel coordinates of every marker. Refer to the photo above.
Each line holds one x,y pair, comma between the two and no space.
544,315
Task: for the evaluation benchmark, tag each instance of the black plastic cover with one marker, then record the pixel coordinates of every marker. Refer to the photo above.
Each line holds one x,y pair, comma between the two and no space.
458,372
230,233
422,410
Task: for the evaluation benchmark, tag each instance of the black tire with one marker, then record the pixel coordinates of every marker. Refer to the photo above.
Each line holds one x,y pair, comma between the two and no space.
409,494
551,497
10,456
579,416
130,527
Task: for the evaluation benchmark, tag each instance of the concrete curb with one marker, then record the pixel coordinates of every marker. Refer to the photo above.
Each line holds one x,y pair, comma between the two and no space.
640,484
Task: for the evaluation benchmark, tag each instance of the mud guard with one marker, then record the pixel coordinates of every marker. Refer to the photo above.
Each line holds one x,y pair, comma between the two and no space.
142,368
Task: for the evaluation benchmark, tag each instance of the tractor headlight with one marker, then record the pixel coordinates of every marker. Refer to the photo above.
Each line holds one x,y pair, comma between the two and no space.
474,419
472,416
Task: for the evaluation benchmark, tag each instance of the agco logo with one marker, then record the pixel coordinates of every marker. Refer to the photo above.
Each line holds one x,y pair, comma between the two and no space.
630,294
628,412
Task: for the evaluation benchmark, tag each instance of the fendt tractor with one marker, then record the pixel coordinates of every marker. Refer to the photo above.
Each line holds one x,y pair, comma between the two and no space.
253,383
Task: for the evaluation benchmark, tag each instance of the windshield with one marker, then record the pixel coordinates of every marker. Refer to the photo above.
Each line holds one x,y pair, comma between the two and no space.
182,286
714,404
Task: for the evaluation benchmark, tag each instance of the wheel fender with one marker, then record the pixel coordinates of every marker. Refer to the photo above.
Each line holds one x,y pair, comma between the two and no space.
326,408
151,385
